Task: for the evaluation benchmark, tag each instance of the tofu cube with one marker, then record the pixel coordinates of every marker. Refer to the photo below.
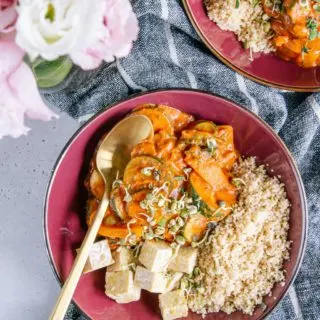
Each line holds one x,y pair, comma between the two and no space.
173,305
121,287
99,256
155,255
123,257
151,281
185,260
173,280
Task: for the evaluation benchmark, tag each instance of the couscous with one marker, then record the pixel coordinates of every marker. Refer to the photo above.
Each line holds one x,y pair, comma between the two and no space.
246,19
244,255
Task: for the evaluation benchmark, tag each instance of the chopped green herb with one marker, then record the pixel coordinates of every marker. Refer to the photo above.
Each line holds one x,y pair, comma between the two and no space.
281,9
174,229
311,24
237,4
180,240
184,214
162,223
179,178
212,144
313,34
255,3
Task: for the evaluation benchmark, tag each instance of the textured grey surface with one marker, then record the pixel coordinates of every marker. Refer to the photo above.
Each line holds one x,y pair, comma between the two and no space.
27,284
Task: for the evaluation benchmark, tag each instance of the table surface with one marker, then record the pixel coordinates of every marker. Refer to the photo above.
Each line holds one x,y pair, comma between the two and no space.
28,287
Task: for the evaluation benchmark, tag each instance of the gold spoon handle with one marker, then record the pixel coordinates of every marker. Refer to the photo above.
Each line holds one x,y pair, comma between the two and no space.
71,283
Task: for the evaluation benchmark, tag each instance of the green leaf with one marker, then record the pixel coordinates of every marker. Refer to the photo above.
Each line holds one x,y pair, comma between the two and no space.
305,50
313,34
50,73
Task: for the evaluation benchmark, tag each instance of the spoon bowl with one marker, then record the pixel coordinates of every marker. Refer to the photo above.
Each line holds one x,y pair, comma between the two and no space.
113,153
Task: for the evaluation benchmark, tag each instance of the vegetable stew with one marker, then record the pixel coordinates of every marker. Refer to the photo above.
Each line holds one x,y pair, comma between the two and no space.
176,183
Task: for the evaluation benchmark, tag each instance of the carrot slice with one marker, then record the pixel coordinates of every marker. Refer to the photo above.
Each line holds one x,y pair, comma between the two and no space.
144,148
225,133
112,228
201,190
229,196
310,59
208,169
110,218
280,40
120,231
158,119
178,119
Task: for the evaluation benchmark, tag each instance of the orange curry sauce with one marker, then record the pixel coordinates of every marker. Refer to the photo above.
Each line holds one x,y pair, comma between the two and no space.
184,161
296,26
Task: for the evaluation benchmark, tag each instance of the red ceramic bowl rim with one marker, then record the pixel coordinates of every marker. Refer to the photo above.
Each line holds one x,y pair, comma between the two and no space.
235,68
236,105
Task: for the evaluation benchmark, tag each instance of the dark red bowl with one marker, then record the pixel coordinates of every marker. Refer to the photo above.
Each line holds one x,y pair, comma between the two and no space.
64,226
265,68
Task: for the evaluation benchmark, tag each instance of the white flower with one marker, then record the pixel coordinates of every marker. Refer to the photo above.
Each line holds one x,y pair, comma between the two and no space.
59,27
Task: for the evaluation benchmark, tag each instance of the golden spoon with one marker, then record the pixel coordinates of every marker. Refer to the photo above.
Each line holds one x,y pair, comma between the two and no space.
112,156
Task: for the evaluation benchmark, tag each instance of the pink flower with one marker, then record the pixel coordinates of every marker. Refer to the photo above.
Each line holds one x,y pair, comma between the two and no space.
19,95
8,15
119,29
